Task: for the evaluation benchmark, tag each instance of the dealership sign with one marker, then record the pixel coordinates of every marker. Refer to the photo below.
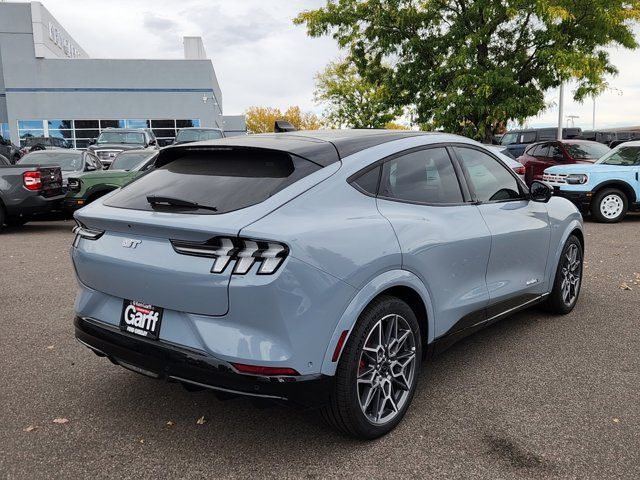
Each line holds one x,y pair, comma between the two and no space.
58,38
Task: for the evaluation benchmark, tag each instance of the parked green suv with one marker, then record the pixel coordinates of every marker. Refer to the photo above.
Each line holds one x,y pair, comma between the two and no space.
85,188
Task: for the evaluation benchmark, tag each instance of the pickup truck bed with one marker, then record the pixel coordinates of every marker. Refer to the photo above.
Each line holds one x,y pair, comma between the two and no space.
27,191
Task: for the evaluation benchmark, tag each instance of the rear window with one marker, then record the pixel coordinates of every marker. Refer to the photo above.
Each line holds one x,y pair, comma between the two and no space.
226,180
582,151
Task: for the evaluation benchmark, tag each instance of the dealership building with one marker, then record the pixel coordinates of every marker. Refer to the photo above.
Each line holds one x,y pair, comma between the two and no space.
49,86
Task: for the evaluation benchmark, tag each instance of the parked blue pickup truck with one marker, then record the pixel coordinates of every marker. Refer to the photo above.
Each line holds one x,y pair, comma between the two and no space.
608,188
27,191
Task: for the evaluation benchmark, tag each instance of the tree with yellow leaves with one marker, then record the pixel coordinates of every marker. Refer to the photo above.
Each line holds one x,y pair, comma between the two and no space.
262,119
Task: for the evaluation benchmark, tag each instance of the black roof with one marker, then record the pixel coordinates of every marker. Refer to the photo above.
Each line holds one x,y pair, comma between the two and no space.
323,147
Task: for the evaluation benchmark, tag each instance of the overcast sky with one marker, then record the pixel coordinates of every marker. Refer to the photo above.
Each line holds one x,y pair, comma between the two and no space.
261,58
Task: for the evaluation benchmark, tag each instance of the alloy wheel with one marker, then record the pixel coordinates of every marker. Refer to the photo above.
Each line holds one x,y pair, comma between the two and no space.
386,369
611,206
571,274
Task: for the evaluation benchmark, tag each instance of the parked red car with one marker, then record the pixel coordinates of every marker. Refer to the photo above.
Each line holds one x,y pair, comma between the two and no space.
541,155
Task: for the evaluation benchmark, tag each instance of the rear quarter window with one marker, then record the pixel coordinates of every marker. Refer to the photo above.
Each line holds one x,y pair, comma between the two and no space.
228,180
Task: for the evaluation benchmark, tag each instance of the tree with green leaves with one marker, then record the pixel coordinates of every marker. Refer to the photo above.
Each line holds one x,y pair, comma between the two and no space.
469,66
352,101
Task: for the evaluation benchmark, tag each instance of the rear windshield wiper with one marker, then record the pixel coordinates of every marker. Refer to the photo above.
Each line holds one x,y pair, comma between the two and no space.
177,202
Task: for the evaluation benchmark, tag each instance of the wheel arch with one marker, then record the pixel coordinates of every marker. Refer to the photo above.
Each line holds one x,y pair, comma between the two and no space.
572,228
399,283
620,185
95,193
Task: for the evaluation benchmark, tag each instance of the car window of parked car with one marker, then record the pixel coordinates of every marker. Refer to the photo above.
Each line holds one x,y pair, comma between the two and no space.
425,176
581,151
226,180
623,156
547,134
68,161
555,152
541,150
509,138
487,177
529,137
368,181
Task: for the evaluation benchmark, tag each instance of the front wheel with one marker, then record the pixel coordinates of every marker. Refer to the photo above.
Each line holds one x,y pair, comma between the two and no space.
609,205
568,280
378,371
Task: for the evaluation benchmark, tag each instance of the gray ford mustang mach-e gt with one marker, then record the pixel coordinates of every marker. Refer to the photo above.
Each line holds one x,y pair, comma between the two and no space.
320,267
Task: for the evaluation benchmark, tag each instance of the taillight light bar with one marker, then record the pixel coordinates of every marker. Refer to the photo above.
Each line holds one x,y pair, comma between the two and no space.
243,251
89,233
32,181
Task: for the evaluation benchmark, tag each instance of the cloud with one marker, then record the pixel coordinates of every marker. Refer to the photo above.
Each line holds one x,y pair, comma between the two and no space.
261,58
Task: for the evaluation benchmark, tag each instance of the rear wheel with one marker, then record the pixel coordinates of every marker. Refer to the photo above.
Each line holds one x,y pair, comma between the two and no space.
566,286
378,370
609,205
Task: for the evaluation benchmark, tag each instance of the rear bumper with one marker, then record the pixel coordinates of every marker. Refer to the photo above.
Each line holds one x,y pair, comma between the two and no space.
581,199
35,205
166,361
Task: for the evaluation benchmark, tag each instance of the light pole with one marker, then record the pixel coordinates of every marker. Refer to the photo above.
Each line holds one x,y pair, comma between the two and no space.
560,111
593,122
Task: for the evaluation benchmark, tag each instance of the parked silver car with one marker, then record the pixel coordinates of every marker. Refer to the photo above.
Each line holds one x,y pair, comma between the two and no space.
319,267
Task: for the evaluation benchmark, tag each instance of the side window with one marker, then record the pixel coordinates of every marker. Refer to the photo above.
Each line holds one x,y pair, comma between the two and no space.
555,152
368,181
541,150
425,176
528,137
488,178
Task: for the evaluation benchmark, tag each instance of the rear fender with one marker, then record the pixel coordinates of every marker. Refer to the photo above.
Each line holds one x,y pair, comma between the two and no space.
389,279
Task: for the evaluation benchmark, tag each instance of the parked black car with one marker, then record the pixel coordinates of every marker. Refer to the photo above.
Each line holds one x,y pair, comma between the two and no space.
112,141
27,191
517,140
9,150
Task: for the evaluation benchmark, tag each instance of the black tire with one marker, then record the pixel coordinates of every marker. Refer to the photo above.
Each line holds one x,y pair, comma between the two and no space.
344,410
606,200
1,216
556,302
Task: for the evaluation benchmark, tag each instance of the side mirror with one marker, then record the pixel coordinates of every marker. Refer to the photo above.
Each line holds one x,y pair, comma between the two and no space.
152,142
92,141
90,168
540,191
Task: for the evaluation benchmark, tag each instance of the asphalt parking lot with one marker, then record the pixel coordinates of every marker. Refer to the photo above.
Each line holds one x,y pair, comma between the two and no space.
532,396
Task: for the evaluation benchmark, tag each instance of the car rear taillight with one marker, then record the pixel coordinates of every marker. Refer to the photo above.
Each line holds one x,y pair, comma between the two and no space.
241,251
259,370
519,170
84,232
32,181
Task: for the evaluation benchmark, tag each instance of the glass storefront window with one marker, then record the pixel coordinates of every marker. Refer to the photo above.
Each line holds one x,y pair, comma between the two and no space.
30,125
111,124
80,124
60,124
66,134
4,131
163,124
129,123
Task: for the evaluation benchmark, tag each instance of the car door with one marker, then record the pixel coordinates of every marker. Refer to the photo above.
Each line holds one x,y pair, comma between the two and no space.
520,231
539,161
442,235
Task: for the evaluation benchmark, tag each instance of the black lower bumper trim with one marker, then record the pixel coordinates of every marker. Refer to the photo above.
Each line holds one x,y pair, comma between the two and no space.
173,363
580,199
